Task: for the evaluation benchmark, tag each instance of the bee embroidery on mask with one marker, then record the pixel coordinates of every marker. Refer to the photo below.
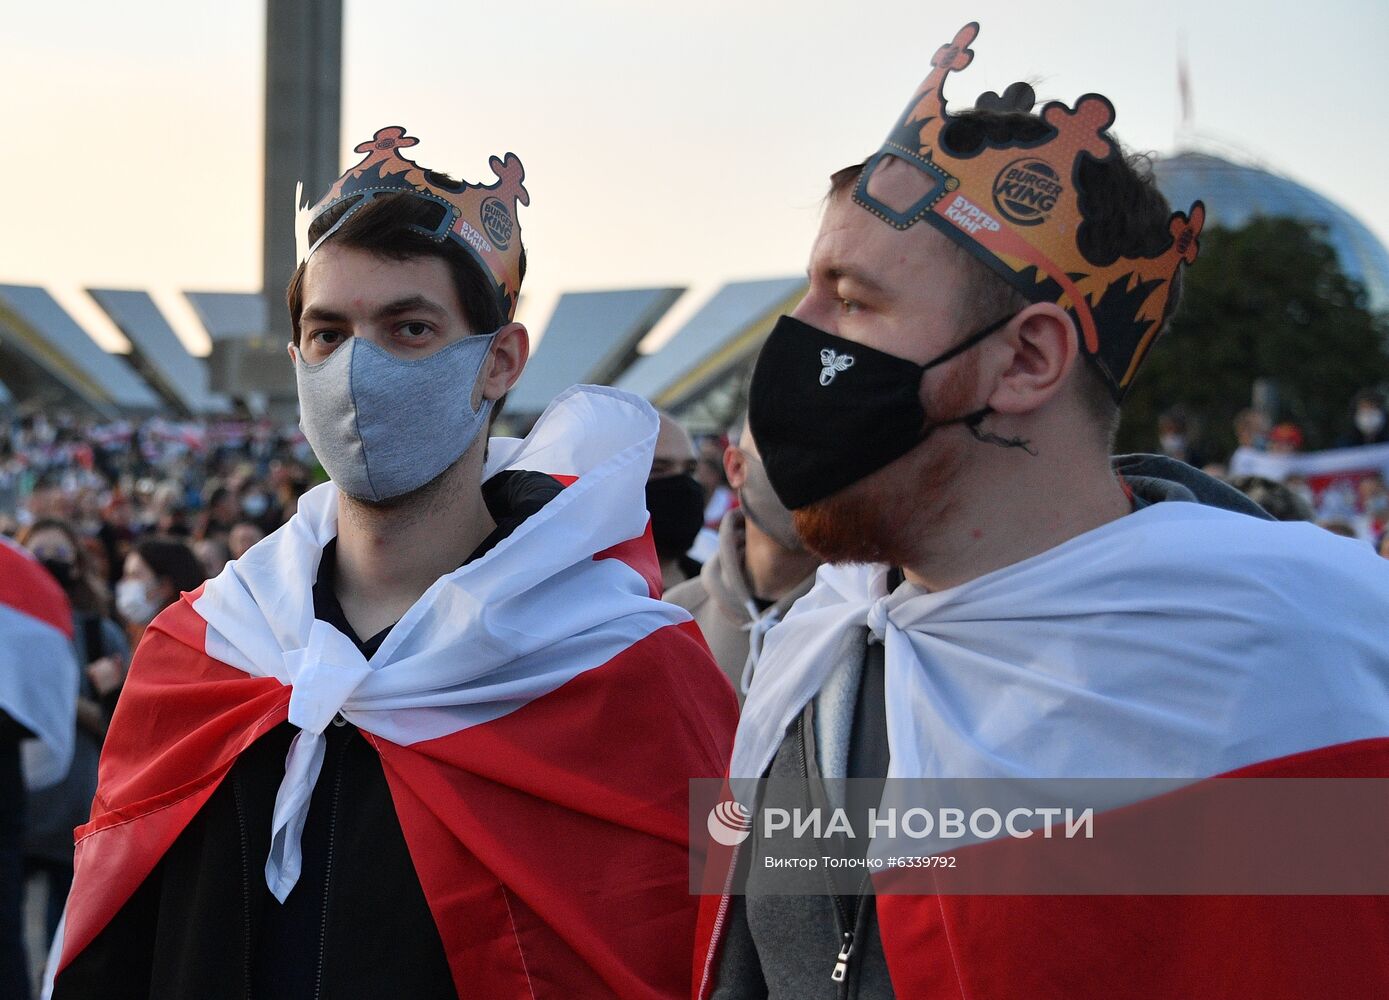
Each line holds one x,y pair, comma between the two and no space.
834,364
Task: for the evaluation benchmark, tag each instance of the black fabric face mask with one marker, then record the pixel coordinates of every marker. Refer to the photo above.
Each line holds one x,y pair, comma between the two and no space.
62,571
826,411
676,505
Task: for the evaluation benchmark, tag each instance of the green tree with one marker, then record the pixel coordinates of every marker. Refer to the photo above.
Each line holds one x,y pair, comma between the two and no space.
1267,300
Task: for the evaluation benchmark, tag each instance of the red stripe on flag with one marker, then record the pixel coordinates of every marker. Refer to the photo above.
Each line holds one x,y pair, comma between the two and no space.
30,589
182,720
640,554
1091,946
552,843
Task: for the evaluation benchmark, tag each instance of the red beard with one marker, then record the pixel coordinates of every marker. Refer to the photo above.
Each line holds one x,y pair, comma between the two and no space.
881,518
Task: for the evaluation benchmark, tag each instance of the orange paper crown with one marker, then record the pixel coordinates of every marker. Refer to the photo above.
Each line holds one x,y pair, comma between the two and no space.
479,217
1017,206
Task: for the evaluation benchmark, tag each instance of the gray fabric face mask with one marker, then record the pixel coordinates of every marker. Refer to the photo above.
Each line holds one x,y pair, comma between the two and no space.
383,426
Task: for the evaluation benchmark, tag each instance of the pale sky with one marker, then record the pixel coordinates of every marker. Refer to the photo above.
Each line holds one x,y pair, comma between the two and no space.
664,144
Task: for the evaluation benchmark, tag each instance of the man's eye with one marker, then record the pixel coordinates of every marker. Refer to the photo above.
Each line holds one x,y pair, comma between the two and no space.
848,306
414,331
327,338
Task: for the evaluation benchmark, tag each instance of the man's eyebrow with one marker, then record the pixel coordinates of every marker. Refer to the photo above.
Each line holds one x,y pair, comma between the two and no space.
322,313
847,272
411,303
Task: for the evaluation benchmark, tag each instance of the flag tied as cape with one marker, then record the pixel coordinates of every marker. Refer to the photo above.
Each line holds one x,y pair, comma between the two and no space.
538,713
1181,641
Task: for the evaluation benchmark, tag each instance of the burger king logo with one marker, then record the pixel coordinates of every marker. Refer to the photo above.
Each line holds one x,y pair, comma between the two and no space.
497,221
1026,191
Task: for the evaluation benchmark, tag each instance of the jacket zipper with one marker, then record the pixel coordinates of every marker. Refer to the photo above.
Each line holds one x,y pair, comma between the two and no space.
328,870
245,883
847,919
719,918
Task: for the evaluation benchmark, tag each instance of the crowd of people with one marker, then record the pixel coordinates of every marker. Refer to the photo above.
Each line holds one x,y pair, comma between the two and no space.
1354,503
430,728
127,517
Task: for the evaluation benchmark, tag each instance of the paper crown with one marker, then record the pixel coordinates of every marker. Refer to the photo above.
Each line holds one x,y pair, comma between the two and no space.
1017,206
479,217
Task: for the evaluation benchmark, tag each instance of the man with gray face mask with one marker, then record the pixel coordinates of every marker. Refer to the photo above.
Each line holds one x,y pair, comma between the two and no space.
760,570
374,756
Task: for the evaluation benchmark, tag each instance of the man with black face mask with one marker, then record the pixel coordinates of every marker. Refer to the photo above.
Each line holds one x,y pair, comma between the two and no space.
376,755
1008,602
759,571
675,501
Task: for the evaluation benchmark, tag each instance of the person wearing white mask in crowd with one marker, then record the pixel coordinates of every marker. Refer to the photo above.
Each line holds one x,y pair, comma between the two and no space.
1368,419
157,570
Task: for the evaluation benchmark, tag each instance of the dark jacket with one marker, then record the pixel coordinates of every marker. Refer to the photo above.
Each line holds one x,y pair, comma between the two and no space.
782,946
356,925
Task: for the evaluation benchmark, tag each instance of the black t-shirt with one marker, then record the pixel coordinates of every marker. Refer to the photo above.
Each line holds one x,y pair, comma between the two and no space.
293,930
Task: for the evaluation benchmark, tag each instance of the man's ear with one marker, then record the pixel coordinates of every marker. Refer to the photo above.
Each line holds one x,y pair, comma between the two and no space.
510,351
735,467
290,348
1043,348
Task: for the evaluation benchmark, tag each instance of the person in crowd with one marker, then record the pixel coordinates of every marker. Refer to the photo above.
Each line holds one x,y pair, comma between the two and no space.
243,535
376,756
719,495
1277,499
213,553
38,711
1285,439
1339,526
101,645
760,569
675,501
1251,439
116,533
1368,424
1006,601
157,570
1251,429
219,516
1175,438
258,508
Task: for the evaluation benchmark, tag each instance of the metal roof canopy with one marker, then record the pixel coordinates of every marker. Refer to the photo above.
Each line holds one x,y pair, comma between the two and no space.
591,337
168,366
725,331
48,336
230,315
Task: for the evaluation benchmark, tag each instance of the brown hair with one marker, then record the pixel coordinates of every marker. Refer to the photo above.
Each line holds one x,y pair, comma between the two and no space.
171,560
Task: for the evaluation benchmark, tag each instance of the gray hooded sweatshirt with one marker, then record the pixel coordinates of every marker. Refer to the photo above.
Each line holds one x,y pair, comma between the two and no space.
724,607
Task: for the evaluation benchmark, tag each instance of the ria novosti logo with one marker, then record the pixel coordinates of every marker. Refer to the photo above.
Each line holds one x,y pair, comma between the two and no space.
729,823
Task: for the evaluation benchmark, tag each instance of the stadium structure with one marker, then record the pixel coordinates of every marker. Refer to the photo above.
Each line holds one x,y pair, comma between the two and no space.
699,373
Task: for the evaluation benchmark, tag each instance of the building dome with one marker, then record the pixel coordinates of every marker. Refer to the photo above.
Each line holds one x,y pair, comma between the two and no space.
1234,193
